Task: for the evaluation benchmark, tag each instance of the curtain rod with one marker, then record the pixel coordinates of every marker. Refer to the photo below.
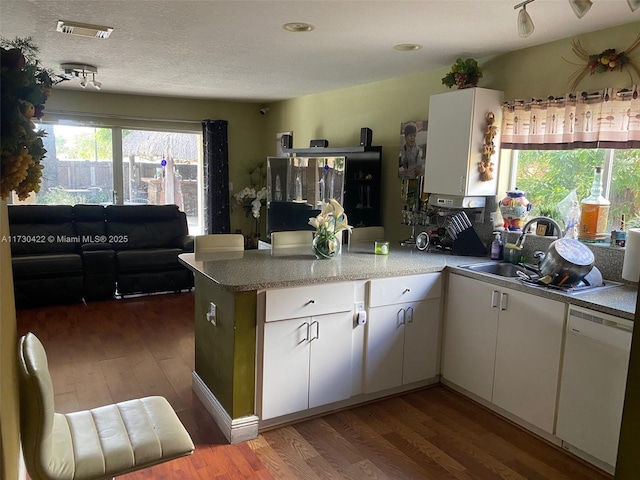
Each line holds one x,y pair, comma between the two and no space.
121,117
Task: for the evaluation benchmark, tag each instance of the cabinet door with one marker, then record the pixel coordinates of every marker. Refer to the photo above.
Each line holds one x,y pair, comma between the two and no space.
470,332
330,364
285,377
528,357
457,121
448,140
385,347
421,339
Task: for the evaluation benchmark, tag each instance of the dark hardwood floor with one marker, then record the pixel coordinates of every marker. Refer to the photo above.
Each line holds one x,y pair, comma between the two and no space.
106,352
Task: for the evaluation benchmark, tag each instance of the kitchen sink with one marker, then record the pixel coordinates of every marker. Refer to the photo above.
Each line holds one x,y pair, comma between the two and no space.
499,269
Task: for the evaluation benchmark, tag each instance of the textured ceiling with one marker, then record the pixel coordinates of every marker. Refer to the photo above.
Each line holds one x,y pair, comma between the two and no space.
237,49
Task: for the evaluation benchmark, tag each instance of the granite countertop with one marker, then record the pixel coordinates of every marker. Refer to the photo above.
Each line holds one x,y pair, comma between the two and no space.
259,269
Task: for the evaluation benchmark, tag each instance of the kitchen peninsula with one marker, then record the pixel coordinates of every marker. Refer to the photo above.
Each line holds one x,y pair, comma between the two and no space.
263,318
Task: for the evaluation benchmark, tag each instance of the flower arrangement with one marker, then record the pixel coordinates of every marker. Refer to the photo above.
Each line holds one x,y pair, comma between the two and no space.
606,61
253,200
25,87
331,221
464,74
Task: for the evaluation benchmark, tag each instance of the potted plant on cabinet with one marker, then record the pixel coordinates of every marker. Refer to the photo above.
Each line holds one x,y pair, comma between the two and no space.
464,74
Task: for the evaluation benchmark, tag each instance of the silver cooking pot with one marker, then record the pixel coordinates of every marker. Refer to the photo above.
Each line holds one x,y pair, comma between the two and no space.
566,262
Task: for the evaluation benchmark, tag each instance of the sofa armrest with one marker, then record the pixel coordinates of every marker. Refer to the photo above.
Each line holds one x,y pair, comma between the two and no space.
185,242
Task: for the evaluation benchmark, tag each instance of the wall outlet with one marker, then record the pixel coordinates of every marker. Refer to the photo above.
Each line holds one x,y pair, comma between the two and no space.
211,314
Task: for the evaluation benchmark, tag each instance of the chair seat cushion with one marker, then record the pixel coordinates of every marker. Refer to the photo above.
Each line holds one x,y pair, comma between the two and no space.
119,438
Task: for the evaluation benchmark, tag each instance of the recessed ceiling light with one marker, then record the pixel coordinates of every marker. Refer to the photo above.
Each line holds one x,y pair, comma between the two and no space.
407,47
298,27
83,29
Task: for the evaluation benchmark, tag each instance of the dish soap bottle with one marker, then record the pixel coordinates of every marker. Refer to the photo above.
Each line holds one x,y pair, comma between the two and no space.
595,210
497,247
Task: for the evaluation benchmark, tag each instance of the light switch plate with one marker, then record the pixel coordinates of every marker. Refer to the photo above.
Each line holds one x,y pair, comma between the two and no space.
211,314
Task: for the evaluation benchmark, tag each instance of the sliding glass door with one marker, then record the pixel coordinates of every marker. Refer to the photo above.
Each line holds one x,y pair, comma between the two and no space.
123,166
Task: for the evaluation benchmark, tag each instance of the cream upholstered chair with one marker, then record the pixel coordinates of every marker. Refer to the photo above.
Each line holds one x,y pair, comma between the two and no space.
366,234
294,238
218,242
91,444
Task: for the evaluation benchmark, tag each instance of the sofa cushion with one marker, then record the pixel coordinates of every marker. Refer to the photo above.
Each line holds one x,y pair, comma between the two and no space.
43,229
40,266
151,259
90,221
145,226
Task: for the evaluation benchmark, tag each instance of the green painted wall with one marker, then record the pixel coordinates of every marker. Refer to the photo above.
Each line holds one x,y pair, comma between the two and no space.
382,106
225,353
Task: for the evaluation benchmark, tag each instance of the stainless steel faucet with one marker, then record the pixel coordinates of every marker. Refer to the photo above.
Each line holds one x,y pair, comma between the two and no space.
556,227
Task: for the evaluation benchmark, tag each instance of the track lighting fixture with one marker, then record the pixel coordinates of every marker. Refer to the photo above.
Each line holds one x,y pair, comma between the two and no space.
525,24
81,71
580,7
94,83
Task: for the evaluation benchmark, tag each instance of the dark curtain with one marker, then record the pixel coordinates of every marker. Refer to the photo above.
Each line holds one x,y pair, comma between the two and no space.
216,177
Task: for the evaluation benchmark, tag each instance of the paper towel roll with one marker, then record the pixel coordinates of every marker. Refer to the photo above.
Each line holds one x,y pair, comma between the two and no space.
631,265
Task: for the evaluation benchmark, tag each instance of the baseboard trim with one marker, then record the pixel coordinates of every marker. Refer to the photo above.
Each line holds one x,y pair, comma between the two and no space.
236,430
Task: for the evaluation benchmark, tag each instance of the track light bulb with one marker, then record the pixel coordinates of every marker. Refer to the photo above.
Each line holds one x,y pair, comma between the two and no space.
83,82
525,24
96,84
580,7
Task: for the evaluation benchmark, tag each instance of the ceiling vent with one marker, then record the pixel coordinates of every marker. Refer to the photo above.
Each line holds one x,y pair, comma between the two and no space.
83,29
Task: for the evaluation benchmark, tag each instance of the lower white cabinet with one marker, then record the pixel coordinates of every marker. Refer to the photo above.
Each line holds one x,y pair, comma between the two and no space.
504,346
306,363
402,344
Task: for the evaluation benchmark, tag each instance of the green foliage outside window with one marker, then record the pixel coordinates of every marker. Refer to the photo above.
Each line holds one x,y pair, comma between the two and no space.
547,176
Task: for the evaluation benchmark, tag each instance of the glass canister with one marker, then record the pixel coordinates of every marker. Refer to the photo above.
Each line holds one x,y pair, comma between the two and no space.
514,209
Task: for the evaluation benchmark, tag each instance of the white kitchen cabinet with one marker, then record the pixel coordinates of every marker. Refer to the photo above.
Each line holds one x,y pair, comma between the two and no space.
306,359
457,123
402,336
504,346
307,363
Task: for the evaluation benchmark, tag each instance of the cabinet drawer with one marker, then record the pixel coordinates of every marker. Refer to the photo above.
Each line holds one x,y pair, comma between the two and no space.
410,288
310,300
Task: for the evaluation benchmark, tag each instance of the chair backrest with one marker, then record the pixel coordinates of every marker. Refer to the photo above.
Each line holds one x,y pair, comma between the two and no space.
294,238
220,242
366,234
37,410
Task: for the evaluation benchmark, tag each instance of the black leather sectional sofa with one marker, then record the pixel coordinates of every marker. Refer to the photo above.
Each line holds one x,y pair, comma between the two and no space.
63,254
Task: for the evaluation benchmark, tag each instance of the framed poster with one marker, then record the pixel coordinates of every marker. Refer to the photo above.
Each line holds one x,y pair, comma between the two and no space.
413,148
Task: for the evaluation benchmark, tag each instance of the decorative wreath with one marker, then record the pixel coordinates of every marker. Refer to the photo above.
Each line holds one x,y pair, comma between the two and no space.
485,166
607,61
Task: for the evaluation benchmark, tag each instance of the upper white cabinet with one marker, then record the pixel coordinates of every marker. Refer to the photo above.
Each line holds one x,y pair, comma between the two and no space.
455,139
504,346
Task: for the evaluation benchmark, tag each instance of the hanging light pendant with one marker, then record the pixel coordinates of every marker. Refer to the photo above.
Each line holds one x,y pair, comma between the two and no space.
581,7
525,24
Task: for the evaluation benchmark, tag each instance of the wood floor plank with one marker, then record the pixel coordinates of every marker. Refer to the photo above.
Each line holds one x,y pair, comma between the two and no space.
103,352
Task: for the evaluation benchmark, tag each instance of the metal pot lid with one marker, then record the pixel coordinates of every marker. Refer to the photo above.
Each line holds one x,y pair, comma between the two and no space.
573,251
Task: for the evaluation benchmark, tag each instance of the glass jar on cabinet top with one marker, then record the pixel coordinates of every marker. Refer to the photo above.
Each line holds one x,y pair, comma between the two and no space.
514,209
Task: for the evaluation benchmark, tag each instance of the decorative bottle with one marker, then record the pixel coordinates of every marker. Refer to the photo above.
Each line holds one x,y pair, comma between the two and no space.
595,210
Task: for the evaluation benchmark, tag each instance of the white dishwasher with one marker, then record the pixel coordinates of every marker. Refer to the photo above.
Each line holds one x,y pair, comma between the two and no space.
592,388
